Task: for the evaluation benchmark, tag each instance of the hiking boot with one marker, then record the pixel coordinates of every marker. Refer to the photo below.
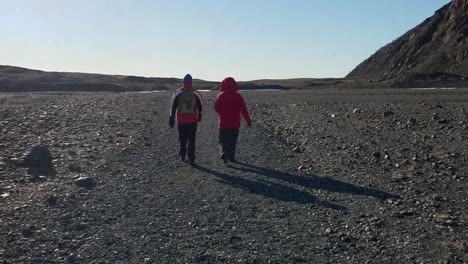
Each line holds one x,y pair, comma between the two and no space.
224,158
182,158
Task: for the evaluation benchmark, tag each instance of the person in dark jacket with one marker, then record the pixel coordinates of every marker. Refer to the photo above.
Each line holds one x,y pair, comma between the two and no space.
230,105
188,103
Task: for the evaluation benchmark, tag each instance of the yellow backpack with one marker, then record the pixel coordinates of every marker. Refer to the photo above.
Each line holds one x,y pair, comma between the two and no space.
187,102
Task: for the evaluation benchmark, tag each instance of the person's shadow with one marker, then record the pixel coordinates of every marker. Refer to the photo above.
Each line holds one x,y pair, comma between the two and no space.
271,189
316,182
290,194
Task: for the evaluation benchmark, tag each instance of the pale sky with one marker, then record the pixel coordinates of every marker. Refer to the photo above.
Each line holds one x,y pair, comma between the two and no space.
211,39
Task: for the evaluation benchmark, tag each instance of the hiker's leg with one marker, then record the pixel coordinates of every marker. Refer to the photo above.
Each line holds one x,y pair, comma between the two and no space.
230,146
192,134
222,142
182,140
234,136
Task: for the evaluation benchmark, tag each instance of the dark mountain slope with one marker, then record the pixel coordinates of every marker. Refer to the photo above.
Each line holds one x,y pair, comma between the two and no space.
437,47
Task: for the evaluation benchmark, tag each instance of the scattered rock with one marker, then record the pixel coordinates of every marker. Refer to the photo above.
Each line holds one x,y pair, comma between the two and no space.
39,156
28,231
437,197
411,121
297,149
146,184
442,121
388,113
52,200
74,167
85,182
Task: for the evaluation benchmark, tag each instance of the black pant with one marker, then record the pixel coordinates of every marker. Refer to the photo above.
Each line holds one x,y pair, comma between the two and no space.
228,142
187,134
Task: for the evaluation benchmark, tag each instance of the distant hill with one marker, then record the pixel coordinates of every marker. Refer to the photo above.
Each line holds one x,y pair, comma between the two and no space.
16,79
437,49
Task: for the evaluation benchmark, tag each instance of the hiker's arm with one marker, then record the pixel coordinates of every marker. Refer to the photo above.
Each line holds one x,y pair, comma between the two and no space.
245,112
199,101
199,108
175,104
216,103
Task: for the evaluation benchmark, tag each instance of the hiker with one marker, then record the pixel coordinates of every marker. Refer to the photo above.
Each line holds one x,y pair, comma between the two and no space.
230,105
189,105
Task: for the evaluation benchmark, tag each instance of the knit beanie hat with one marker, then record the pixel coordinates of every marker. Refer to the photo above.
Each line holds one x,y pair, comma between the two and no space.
188,79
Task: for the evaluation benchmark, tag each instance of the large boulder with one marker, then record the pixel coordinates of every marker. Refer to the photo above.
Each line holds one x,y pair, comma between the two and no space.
39,156
39,162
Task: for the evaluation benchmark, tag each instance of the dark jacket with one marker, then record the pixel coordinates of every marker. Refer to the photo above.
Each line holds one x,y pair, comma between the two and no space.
183,118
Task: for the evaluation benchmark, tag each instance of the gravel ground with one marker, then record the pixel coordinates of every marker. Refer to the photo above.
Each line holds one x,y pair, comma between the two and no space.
325,176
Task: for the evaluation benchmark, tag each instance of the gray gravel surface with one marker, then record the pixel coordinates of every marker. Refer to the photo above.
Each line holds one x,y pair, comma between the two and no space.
327,176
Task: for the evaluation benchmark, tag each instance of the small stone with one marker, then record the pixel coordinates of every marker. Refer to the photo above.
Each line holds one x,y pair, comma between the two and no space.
405,213
345,239
52,200
437,197
442,121
73,167
71,258
297,150
388,113
85,182
328,231
376,155
28,232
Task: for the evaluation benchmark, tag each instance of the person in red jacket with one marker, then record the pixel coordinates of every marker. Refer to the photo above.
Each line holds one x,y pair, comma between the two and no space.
189,105
230,106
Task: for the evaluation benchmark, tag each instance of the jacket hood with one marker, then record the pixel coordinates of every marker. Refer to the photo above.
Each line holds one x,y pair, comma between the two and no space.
229,85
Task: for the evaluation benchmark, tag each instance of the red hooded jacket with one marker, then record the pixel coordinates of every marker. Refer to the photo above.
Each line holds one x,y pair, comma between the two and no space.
230,105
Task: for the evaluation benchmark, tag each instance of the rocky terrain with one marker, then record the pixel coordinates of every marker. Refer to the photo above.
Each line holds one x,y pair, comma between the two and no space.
324,176
434,52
